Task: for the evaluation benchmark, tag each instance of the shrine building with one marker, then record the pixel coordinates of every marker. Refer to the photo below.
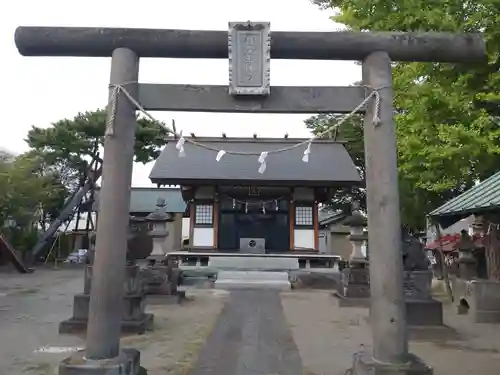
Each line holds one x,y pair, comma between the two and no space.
233,207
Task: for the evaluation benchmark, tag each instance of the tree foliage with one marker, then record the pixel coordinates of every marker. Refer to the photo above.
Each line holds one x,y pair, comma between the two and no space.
350,132
36,185
26,192
447,114
75,142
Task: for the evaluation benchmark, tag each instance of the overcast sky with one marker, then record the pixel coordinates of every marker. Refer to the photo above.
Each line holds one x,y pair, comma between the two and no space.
39,90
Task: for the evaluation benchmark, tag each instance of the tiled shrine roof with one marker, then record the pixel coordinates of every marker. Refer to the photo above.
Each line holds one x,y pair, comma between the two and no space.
329,163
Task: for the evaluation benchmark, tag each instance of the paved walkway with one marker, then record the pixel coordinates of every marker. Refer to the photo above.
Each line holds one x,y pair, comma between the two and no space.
251,337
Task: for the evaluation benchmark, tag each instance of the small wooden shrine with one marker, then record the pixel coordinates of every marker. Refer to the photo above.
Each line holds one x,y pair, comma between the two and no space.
235,207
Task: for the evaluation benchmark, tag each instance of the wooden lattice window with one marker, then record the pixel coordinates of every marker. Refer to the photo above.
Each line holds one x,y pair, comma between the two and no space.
204,214
304,216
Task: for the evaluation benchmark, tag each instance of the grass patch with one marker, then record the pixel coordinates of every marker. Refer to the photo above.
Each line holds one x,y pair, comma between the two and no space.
40,368
191,351
26,291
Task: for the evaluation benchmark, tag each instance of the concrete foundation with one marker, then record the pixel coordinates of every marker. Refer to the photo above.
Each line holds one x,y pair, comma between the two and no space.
127,363
364,364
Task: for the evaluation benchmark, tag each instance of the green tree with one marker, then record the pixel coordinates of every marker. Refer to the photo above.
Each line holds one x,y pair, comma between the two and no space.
75,142
351,132
68,148
448,114
25,192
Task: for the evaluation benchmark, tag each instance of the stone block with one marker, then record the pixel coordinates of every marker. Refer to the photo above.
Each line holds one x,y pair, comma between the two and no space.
467,268
156,281
356,291
364,364
478,298
134,319
355,283
483,297
343,301
73,326
315,279
352,275
252,279
127,363
253,263
133,307
417,284
424,312
132,282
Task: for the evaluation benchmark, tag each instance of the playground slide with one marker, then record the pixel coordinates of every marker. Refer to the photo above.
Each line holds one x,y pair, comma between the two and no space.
7,248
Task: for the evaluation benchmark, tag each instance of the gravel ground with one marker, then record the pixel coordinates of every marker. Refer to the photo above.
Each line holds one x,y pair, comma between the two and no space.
31,307
250,337
246,333
327,336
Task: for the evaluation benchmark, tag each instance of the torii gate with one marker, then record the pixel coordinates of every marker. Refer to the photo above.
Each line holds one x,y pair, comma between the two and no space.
250,48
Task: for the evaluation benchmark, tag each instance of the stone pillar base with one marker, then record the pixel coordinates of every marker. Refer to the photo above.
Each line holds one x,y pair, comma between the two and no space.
134,319
74,326
343,301
425,312
364,364
127,363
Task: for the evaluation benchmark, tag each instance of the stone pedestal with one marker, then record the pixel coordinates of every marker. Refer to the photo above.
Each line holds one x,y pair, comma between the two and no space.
127,363
479,298
467,268
364,364
134,318
354,287
156,280
467,264
421,308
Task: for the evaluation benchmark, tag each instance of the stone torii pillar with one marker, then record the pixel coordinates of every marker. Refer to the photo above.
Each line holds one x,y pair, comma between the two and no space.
376,50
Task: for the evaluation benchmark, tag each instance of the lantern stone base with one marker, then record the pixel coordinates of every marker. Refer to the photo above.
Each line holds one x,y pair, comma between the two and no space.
364,364
467,268
127,363
421,308
354,288
156,280
134,319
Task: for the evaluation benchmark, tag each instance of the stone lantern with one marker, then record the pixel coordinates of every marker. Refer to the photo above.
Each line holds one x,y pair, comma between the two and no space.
159,219
355,284
158,276
357,223
467,264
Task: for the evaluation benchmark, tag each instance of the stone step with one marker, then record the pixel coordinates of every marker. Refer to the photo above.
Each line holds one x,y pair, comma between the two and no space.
252,279
253,263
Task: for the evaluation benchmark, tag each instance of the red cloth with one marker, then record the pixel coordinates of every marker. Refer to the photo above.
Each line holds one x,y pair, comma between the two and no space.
450,242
